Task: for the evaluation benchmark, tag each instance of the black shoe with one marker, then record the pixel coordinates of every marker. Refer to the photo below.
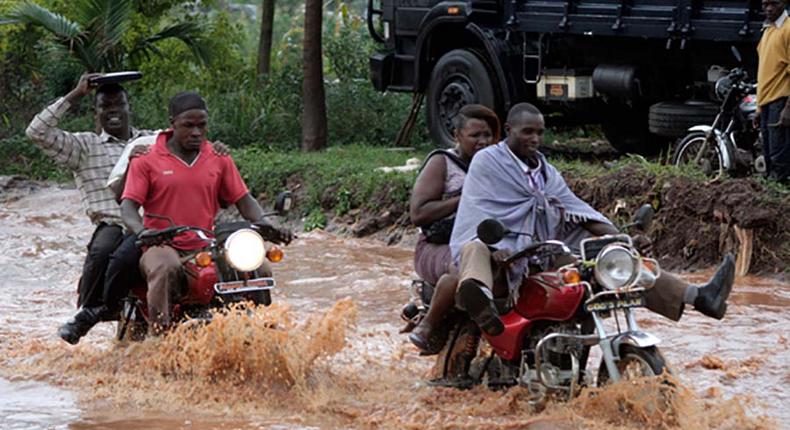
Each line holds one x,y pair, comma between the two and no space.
428,339
478,303
712,297
81,324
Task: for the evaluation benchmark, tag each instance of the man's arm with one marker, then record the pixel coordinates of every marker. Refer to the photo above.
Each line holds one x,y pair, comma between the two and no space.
117,187
249,208
130,213
64,147
251,211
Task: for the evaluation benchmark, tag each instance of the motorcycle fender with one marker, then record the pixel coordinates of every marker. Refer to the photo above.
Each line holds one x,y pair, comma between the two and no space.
726,159
638,339
702,128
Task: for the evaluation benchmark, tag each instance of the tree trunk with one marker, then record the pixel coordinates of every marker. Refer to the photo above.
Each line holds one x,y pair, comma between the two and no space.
314,116
265,43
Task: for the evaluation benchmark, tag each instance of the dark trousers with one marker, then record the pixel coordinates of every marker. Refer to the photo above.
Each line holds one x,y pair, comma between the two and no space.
776,140
123,272
105,239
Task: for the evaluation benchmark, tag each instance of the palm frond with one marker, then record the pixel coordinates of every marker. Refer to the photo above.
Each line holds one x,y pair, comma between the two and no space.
188,32
107,19
31,13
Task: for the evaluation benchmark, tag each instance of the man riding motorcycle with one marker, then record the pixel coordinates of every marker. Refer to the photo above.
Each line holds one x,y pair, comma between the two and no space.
514,183
183,180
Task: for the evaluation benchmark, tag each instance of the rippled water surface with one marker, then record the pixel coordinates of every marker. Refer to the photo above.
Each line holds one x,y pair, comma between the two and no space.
328,353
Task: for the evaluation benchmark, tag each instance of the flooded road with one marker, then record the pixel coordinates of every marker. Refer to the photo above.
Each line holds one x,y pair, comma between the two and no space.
336,360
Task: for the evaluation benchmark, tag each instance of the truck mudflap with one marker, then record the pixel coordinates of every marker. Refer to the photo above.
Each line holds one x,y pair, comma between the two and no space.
381,70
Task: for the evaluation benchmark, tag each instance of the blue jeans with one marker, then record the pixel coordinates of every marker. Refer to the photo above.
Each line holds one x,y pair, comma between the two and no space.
776,140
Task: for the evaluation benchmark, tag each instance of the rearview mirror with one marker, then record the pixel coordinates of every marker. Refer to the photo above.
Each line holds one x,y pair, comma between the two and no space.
283,203
491,231
644,217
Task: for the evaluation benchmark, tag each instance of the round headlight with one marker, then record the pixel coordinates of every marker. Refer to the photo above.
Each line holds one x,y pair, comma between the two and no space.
615,268
244,250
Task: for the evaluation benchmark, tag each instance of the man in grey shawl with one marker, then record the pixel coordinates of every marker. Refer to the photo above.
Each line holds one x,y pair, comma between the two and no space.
514,183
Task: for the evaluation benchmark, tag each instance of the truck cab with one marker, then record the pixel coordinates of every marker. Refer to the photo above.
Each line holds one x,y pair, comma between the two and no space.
640,68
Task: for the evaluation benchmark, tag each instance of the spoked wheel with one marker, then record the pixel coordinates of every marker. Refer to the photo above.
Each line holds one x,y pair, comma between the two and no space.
635,363
698,150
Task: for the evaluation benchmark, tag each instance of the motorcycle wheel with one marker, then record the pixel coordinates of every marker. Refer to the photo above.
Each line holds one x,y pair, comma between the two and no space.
635,363
688,150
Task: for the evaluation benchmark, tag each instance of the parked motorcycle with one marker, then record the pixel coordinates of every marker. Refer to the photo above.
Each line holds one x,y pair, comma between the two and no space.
223,273
557,317
731,144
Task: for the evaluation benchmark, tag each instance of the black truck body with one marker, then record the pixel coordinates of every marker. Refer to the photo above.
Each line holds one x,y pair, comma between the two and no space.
634,66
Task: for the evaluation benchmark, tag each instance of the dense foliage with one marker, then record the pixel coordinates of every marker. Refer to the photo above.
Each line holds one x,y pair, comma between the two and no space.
245,110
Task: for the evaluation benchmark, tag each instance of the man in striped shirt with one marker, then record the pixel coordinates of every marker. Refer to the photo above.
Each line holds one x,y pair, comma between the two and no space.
91,157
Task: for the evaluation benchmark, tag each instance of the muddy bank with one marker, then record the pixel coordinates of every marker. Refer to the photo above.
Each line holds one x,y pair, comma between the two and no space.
697,222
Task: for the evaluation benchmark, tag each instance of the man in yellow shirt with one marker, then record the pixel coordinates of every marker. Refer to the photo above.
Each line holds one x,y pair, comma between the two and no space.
773,89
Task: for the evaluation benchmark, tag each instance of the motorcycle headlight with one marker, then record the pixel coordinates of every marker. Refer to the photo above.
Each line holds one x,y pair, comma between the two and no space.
616,267
244,250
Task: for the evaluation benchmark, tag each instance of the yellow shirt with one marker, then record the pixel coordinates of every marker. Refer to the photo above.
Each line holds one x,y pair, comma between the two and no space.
773,72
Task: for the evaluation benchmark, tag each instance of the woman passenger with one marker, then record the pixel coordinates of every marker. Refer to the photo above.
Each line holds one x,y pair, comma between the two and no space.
434,201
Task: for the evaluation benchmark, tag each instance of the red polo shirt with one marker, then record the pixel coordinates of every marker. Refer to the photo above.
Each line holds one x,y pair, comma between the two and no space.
166,185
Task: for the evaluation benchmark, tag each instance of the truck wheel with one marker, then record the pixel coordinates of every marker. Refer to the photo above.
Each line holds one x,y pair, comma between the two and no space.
459,78
673,119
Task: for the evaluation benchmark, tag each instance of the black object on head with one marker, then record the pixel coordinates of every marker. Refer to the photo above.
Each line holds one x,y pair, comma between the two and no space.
644,217
491,231
518,111
185,101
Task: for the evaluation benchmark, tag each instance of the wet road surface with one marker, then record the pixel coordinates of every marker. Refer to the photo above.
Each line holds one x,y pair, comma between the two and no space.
341,362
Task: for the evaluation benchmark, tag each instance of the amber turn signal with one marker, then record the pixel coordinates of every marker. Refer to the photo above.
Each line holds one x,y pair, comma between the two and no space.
453,10
275,254
649,265
571,277
203,259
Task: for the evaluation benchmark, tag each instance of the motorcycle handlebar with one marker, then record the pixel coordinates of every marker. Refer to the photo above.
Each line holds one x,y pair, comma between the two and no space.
531,249
157,237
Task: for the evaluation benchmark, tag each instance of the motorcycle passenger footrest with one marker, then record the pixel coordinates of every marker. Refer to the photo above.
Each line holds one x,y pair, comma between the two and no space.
258,284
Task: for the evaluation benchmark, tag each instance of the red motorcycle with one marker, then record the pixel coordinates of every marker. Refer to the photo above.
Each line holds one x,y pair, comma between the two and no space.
223,273
557,317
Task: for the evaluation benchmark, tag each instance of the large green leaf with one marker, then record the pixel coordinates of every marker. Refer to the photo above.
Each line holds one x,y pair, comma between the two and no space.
191,33
31,13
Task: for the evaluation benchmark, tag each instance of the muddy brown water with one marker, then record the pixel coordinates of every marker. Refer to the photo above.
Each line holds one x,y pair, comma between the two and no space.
328,354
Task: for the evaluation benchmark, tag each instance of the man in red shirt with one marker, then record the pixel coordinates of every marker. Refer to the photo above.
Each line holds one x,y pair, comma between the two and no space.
182,178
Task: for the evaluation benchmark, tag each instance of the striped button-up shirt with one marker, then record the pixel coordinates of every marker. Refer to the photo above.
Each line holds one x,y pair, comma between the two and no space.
88,155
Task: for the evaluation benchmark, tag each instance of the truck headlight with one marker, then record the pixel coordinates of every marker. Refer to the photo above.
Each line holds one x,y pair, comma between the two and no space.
616,267
244,250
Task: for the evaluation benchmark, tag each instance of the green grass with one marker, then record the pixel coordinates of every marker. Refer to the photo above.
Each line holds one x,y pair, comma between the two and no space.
338,180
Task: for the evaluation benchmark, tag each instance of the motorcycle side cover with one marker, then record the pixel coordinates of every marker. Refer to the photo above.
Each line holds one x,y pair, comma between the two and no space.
542,297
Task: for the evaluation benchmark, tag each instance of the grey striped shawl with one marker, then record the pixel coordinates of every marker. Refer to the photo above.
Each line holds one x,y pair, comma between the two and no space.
496,187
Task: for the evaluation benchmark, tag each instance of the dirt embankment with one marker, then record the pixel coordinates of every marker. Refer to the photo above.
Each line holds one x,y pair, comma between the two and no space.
696,223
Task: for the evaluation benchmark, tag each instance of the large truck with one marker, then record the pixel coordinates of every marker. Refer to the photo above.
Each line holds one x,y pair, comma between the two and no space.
643,69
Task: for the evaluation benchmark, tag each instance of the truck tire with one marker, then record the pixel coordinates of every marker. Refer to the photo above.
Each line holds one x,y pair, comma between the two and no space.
459,78
673,119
